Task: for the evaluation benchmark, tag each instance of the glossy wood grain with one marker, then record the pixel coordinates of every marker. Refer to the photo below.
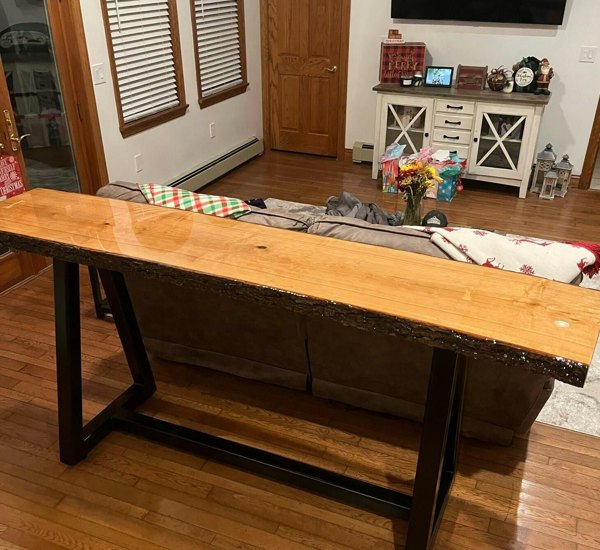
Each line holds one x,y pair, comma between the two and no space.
135,494
365,286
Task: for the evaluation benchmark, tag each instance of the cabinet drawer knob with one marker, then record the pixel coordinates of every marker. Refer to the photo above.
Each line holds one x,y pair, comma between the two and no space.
457,107
451,137
456,123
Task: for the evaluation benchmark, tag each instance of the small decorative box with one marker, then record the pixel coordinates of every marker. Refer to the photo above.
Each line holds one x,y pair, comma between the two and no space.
400,61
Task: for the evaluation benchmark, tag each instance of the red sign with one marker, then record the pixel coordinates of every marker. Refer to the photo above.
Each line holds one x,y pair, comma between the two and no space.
401,61
11,182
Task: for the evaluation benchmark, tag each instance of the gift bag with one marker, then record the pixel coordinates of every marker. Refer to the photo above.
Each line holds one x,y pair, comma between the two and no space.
389,165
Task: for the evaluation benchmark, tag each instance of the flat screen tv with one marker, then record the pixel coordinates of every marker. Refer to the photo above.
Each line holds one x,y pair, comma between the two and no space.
532,12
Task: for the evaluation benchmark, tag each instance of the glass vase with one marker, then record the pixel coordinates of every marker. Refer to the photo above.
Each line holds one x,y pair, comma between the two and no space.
412,214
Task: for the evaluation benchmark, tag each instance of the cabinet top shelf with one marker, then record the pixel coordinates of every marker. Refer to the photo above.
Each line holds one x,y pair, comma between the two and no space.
514,98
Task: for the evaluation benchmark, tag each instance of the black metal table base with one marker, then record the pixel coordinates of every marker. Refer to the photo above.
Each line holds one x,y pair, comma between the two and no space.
436,465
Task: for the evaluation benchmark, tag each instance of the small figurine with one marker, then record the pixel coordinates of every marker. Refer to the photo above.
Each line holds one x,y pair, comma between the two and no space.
545,74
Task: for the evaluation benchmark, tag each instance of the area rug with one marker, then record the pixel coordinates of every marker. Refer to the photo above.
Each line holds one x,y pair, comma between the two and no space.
576,409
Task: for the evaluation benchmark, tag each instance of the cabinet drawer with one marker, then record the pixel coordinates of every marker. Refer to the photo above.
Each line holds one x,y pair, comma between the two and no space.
454,122
456,107
456,137
462,150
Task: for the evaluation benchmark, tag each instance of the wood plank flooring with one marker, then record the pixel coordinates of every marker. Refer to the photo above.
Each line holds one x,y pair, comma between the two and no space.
541,493
313,180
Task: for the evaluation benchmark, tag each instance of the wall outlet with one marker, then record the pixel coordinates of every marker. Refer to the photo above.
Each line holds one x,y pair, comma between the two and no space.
211,130
138,160
588,54
99,74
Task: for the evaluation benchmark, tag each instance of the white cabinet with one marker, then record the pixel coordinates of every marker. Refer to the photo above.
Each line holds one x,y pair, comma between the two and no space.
501,136
496,133
404,120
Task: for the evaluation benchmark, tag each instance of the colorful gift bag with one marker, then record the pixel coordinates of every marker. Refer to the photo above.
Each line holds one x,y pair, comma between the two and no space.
447,188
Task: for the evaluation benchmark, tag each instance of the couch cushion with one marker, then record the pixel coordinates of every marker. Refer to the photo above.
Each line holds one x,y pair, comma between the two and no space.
123,191
279,218
359,231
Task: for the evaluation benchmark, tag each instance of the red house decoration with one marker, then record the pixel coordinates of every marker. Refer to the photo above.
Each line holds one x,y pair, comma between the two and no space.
11,181
401,61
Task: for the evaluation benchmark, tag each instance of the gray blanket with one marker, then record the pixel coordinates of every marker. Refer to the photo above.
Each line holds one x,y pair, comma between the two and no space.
349,206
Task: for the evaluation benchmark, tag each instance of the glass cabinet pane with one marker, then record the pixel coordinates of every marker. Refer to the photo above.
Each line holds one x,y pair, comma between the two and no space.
406,126
501,141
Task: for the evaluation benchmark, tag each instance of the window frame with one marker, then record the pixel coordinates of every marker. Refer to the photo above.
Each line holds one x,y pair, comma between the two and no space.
150,121
236,90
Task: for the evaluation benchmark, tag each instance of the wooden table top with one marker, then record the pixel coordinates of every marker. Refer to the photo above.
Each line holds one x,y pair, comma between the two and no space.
519,320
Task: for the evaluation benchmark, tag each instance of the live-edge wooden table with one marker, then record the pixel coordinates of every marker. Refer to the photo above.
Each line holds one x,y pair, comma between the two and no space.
460,310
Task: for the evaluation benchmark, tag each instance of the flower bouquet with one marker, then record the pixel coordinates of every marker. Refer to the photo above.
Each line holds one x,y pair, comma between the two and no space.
415,177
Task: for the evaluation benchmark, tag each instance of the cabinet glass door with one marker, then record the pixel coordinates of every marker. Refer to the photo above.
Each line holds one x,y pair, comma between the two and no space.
407,125
502,138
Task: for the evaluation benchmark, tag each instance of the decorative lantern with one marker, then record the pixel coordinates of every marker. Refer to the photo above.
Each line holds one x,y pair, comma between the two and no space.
545,162
564,169
549,185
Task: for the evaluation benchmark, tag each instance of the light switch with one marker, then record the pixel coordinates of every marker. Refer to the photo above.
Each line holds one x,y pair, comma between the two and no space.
138,160
99,74
588,54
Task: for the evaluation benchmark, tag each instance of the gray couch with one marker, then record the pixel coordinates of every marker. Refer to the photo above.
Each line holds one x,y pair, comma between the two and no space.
372,371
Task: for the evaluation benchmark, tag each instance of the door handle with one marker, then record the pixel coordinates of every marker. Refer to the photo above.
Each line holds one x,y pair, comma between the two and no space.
333,69
16,141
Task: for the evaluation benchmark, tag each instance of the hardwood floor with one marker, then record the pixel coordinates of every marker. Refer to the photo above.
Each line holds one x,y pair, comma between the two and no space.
541,493
313,180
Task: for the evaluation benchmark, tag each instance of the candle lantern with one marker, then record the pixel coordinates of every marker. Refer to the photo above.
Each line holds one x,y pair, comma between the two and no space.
564,170
544,163
549,185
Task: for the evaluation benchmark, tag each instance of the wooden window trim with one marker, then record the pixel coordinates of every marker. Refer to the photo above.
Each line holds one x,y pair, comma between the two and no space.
239,89
135,127
72,60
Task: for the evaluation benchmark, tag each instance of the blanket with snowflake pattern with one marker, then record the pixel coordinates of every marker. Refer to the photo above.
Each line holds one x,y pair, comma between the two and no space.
551,260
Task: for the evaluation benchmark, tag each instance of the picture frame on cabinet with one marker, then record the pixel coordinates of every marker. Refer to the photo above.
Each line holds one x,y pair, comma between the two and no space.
439,77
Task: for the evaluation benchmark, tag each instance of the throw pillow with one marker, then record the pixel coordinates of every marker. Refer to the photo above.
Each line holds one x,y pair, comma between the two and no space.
170,197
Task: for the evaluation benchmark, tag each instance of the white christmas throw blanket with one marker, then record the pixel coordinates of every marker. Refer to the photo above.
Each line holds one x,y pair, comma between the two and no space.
551,260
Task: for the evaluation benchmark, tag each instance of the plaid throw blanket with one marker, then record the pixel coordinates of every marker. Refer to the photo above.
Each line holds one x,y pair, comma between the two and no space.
169,197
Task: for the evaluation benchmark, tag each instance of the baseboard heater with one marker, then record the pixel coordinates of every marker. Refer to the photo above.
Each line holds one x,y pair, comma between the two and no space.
217,167
362,152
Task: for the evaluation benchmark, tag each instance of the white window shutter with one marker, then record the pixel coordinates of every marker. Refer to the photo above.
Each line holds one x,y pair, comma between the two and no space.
144,56
220,49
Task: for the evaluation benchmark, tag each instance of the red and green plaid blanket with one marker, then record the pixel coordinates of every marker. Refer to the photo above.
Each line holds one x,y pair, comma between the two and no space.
170,197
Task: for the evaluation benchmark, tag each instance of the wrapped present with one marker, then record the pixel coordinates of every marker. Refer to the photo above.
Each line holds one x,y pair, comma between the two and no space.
401,60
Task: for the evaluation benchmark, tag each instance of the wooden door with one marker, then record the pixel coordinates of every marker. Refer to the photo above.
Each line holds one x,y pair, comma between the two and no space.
307,58
14,267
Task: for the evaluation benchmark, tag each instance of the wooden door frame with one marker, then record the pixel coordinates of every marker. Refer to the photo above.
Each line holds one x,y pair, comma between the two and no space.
343,72
70,49
592,153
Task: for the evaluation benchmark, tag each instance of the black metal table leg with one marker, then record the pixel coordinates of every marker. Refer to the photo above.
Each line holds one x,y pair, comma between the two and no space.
128,329
68,361
439,448
75,439
439,442
100,304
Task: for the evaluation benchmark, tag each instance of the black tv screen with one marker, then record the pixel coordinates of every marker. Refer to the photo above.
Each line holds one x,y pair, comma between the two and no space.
532,12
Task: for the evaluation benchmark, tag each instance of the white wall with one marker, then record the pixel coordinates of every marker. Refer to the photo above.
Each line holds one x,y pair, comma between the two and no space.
173,148
569,117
